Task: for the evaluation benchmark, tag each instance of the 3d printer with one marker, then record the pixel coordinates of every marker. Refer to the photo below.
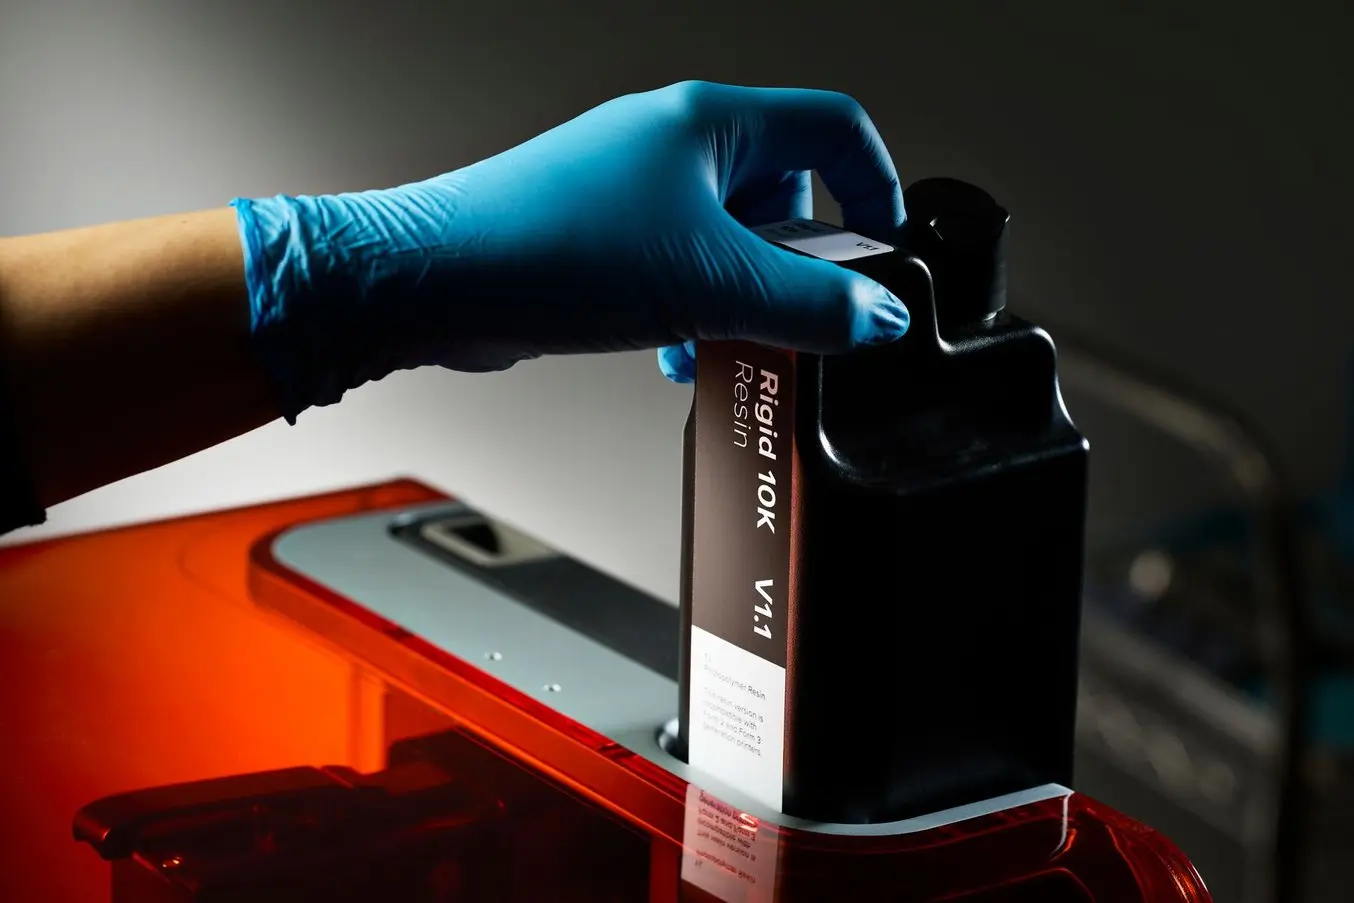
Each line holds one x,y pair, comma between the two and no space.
528,718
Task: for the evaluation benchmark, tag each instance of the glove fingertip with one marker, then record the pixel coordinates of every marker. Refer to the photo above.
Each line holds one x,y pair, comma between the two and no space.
881,317
678,363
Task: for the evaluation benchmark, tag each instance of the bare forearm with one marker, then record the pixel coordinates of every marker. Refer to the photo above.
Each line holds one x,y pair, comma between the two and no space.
126,347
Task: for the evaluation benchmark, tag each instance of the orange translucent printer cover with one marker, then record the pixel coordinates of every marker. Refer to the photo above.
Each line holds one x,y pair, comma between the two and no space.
215,727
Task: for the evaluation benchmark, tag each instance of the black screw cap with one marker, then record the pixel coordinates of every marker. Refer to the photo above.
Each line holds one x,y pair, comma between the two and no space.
959,231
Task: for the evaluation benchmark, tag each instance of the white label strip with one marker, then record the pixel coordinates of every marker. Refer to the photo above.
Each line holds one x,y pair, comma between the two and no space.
820,240
737,718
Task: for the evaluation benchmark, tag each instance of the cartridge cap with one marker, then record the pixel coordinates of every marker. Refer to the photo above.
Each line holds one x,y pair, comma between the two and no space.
959,232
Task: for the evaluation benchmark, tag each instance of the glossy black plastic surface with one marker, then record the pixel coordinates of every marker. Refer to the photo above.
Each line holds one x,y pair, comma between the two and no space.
940,497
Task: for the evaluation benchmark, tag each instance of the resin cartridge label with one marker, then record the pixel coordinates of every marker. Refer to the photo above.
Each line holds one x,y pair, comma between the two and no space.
741,526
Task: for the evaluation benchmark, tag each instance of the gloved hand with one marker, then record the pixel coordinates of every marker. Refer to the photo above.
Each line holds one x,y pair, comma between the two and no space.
624,228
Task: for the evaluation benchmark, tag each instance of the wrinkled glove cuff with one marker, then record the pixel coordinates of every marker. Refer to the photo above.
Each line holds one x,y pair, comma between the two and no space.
304,309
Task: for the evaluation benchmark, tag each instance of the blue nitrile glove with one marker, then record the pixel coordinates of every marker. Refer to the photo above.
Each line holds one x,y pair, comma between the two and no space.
621,229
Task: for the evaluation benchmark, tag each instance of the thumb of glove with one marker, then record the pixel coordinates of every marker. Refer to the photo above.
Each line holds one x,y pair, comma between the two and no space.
790,301
807,304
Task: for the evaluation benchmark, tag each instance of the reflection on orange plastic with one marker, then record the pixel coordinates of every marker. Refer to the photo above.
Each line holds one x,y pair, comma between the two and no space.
228,731
133,658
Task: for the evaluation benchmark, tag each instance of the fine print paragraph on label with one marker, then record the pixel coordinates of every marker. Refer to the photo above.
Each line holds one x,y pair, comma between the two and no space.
738,700
732,710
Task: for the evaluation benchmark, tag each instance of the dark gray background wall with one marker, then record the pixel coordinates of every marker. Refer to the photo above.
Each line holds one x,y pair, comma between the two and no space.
1179,175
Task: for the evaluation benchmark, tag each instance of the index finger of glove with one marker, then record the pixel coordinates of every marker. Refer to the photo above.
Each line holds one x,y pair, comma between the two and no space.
793,129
